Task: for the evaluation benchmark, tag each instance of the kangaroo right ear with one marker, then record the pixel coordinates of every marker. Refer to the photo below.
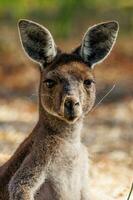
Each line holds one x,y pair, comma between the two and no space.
37,41
97,42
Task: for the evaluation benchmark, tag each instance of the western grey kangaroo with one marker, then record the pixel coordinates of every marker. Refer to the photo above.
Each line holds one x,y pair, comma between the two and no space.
52,163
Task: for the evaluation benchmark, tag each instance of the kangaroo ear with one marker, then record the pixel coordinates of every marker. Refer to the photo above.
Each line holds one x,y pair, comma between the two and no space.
37,41
97,42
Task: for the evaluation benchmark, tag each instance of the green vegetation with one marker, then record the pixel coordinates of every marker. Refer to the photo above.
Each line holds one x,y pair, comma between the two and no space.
62,15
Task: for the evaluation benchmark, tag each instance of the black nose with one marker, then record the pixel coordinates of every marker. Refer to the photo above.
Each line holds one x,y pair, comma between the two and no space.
70,104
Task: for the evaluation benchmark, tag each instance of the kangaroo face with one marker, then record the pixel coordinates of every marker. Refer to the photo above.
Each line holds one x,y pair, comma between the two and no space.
68,91
67,87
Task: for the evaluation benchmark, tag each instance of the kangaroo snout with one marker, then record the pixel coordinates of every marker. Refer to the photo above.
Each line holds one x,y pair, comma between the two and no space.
71,108
70,103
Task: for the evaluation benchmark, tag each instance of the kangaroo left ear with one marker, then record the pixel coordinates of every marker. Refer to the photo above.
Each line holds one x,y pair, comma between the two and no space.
37,41
97,42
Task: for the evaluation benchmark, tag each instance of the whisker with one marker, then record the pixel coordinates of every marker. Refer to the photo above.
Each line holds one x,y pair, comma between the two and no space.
130,192
103,98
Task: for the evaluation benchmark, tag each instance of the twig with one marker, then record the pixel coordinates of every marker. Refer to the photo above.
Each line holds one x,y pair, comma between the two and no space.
130,192
103,98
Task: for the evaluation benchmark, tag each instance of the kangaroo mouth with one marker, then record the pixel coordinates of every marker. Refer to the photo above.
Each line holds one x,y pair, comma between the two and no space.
69,118
70,115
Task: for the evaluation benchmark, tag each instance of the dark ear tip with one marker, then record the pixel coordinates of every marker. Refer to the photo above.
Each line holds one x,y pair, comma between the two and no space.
23,23
114,25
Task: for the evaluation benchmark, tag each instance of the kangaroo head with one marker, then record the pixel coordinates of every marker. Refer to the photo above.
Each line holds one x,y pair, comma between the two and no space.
67,85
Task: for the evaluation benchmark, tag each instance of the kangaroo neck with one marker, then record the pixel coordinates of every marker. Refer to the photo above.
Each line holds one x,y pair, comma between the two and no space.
57,127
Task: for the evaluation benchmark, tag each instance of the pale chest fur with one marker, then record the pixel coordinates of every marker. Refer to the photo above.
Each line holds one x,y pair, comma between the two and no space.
66,171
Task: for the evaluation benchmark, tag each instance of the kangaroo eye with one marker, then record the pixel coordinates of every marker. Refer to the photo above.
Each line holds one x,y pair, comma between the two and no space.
50,83
88,82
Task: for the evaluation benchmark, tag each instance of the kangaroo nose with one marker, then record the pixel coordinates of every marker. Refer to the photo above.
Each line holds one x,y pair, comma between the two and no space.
71,108
71,103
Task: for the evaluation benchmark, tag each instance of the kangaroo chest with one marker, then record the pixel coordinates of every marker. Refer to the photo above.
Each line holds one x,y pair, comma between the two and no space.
64,178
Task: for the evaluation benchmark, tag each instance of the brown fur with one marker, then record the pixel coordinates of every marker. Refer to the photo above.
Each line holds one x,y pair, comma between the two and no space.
48,134
52,163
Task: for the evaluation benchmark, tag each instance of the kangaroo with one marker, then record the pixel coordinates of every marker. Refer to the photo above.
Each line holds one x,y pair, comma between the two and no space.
52,163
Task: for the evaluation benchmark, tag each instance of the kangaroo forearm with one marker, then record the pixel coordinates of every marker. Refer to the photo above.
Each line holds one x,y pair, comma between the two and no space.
20,194
27,179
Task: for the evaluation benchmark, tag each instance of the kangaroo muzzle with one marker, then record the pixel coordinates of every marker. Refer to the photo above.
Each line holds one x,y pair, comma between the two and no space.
72,108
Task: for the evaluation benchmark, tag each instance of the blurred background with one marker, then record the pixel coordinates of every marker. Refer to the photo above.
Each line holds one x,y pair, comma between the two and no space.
108,130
